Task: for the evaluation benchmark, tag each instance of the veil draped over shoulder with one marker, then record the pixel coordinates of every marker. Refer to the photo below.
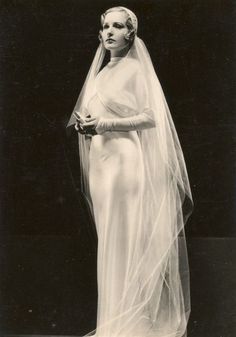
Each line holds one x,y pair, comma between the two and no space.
158,272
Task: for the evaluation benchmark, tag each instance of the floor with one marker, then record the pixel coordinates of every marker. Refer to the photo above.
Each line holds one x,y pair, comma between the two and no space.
48,287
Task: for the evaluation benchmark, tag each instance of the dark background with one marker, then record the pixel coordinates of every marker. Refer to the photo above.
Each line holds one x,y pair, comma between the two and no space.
48,244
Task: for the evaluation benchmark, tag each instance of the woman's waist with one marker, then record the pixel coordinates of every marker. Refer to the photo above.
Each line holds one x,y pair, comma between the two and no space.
116,141
116,136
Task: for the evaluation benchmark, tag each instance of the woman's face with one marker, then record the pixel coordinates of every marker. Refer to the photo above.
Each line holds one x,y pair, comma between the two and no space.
114,30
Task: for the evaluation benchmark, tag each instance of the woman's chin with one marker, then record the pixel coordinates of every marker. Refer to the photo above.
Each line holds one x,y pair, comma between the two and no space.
110,47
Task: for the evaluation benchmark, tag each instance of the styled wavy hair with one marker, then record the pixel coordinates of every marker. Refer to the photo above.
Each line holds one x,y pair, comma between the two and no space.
131,33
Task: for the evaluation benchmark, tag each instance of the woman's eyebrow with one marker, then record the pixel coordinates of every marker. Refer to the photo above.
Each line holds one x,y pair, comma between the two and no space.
120,23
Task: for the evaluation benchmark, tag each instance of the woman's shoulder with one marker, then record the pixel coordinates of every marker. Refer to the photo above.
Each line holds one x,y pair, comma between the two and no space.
132,68
132,64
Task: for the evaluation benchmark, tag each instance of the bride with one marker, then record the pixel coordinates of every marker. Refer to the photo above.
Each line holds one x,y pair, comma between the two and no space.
135,180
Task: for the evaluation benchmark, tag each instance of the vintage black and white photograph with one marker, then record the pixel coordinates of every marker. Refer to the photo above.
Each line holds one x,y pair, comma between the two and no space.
118,154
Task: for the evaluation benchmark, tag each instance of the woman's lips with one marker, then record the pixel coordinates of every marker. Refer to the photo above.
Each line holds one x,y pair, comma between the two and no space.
110,40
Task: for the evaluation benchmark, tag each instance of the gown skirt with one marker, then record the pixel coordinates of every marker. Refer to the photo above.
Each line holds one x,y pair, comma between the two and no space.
139,287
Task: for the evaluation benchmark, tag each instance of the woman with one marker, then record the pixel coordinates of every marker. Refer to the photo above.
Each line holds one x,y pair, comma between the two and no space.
135,180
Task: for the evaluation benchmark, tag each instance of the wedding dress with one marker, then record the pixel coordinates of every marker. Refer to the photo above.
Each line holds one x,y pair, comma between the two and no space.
135,180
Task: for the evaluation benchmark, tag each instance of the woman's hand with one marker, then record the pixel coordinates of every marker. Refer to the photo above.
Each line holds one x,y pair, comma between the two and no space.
79,123
79,127
90,124
86,125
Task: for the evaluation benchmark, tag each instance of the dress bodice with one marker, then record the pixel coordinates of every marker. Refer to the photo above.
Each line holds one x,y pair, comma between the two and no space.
118,90
109,142
97,109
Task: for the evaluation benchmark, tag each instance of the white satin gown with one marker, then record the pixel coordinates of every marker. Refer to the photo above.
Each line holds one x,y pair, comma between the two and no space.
135,295
116,176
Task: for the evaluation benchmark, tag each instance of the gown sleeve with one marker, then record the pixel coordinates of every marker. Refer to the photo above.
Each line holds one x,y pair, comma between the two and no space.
138,122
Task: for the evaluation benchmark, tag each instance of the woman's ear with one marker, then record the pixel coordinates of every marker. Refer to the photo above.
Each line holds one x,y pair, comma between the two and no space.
100,36
130,35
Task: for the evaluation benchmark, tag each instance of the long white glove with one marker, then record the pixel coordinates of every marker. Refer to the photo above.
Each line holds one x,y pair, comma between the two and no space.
137,122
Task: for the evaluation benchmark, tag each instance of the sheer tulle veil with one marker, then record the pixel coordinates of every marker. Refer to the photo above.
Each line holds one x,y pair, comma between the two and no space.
159,262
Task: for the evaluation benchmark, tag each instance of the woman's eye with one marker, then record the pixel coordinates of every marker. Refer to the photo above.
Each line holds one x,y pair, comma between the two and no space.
118,26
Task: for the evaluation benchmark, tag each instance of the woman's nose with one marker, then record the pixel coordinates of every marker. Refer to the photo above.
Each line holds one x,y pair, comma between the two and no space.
110,31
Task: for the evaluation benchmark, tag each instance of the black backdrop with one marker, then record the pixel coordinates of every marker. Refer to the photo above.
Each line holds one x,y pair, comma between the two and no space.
46,50
47,241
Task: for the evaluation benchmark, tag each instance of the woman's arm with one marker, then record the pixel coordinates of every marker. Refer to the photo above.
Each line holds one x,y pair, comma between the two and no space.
137,122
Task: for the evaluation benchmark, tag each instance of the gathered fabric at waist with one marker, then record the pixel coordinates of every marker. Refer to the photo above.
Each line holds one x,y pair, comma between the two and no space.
113,143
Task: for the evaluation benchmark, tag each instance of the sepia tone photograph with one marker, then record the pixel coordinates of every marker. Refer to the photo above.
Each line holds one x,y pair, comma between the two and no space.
118,173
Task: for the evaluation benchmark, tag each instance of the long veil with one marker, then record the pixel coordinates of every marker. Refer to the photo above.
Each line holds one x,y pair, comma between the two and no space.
159,264
81,106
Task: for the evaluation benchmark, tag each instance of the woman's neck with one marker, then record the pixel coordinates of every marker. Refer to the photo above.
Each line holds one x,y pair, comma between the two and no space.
120,53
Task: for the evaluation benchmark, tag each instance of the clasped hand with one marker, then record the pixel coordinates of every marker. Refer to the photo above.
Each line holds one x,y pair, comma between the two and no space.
86,126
